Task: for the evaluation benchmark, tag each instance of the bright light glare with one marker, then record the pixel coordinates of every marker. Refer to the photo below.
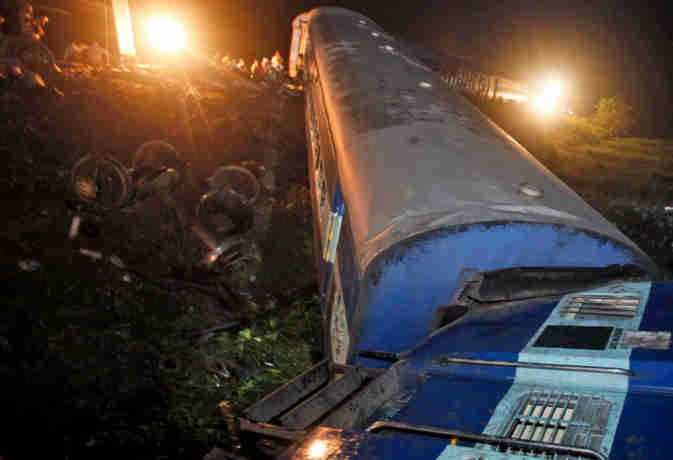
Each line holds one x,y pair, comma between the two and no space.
317,449
547,101
122,18
516,97
166,35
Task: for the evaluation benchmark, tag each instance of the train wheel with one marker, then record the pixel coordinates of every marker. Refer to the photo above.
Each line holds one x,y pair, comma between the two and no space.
158,155
228,205
101,181
236,181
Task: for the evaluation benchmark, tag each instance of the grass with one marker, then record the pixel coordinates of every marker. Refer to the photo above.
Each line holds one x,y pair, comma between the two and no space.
104,374
619,170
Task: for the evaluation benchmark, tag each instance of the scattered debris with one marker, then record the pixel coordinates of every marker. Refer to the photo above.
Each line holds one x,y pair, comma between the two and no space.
28,265
228,415
74,227
75,51
212,330
219,454
95,255
117,262
217,366
291,90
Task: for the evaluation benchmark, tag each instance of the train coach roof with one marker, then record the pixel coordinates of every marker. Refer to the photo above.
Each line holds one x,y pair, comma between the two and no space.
413,156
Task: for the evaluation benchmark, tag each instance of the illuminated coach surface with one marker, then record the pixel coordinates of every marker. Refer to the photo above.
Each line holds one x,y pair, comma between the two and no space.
411,185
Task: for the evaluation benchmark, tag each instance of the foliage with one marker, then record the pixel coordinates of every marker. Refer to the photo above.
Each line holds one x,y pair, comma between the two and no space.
580,130
613,116
103,373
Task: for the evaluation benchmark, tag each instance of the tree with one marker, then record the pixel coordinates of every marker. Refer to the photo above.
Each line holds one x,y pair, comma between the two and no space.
613,116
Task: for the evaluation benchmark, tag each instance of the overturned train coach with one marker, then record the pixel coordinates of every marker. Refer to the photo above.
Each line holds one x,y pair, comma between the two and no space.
474,306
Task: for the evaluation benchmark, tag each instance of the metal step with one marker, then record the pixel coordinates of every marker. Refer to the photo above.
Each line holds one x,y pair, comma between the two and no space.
303,415
291,393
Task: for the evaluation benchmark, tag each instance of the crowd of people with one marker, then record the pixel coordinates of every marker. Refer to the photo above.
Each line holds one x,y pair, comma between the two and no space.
18,17
272,70
92,54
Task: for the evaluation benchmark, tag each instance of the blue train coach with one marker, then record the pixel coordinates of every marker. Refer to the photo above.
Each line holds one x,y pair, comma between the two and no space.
474,307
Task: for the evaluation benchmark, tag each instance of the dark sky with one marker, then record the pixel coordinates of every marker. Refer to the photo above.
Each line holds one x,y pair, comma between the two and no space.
600,47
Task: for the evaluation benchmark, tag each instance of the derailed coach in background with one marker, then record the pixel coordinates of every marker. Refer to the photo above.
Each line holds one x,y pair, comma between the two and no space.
474,305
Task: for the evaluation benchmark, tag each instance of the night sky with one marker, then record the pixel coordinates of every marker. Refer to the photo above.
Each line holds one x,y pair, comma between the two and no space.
600,48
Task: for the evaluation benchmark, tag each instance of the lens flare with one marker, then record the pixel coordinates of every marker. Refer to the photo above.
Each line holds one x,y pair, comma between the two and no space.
317,449
548,100
166,35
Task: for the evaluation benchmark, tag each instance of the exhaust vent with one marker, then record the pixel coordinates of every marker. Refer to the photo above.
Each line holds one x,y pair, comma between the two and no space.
560,418
588,306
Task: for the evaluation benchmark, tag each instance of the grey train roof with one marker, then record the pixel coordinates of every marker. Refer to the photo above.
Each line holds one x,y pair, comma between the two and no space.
413,156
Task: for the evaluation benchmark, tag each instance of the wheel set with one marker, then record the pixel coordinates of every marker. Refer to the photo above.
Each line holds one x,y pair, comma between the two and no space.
104,182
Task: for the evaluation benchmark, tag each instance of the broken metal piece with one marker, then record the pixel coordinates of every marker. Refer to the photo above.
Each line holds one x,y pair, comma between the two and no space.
117,262
74,227
28,265
220,249
95,255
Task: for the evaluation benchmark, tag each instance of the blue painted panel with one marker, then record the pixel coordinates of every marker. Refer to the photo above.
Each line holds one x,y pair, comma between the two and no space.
645,429
351,446
454,403
506,330
654,368
409,282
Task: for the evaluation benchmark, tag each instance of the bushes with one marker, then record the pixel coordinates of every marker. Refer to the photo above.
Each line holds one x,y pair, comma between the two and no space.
581,130
612,118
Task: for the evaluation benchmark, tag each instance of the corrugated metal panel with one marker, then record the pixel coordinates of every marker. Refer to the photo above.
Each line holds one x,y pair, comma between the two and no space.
594,306
560,418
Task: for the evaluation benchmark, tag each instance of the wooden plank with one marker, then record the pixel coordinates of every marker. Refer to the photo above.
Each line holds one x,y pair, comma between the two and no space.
272,431
289,394
361,406
306,413
370,372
